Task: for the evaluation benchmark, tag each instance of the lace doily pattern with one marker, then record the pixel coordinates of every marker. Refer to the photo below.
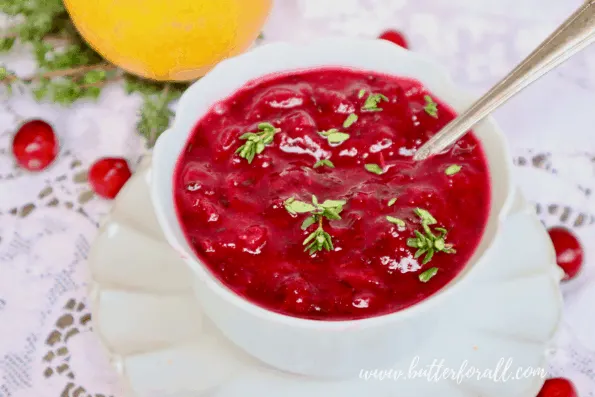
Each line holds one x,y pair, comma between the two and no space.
49,219
564,197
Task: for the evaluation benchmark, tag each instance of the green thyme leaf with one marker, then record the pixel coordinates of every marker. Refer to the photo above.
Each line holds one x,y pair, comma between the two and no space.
352,118
361,93
374,168
3,73
426,217
334,136
135,84
94,76
65,92
452,169
429,256
428,242
311,237
392,201
428,274
324,162
419,252
287,205
428,231
256,141
266,127
249,135
448,249
92,92
413,243
318,240
332,203
337,137
155,112
328,132
396,221
331,214
442,230
421,238
40,92
309,221
299,207
431,107
294,206
371,104
328,241
6,43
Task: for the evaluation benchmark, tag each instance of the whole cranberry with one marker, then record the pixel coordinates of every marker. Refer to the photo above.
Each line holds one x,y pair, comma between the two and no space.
558,387
35,145
569,252
108,175
394,36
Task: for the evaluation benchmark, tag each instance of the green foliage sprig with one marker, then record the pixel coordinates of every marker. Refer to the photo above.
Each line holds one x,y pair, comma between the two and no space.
68,69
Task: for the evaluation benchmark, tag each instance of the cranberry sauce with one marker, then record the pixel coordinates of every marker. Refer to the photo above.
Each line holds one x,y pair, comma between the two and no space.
244,191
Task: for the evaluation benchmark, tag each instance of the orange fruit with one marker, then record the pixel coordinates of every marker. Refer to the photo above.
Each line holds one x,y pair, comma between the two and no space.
169,40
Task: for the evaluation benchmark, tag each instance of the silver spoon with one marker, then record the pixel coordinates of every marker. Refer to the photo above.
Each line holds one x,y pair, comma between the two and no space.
576,33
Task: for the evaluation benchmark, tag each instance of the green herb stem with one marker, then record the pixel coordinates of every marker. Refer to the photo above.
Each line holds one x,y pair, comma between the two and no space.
76,71
319,239
69,69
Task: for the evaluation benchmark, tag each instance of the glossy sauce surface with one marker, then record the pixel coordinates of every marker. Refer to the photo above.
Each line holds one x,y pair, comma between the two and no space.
234,216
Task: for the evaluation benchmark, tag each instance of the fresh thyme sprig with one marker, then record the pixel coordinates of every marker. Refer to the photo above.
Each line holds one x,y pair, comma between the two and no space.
68,69
154,115
429,242
372,101
257,141
319,239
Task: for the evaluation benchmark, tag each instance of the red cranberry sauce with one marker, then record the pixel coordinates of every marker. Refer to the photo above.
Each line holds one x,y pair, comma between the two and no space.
234,215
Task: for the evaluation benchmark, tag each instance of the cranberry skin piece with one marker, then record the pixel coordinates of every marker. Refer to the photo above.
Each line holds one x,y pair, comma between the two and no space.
108,175
299,296
395,37
558,387
569,252
203,210
35,145
361,279
254,237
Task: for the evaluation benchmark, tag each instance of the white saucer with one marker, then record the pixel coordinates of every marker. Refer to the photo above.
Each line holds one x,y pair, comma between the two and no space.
146,315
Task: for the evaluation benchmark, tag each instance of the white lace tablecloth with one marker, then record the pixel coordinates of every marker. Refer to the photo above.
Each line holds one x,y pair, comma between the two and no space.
49,219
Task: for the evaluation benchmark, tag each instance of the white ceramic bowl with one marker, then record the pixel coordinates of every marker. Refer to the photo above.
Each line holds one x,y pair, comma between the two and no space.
308,347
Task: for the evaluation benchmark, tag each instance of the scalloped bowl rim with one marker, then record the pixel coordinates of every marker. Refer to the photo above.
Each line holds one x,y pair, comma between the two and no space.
189,112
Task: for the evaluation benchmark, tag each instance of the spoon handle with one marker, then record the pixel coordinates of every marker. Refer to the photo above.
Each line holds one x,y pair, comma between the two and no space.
576,33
